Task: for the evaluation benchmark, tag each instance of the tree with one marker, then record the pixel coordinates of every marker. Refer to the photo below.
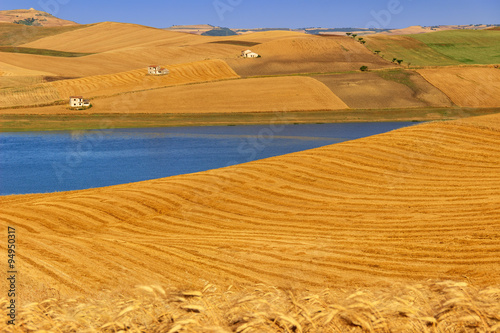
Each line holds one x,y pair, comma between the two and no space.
348,33
354,35
394,59
360,38
362,41
399,61
363,68
377,51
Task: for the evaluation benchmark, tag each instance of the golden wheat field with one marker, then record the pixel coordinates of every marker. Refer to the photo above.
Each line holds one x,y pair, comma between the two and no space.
105,85
107,36
406,206
366,235
307,54
231,96
428,307
467,86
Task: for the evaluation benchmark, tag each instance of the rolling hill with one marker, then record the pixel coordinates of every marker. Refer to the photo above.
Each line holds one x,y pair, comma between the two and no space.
307,54
440,48
407,206
467,86
39,18
102,85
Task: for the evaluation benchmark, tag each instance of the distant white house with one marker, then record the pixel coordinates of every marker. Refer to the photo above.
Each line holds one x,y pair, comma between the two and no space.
249,54
78,101
157,70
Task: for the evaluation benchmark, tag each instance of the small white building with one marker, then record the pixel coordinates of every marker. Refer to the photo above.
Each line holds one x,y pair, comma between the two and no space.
78,101
249,54
157,70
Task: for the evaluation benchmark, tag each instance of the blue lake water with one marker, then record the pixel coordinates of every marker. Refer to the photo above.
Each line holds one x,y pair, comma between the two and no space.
39,162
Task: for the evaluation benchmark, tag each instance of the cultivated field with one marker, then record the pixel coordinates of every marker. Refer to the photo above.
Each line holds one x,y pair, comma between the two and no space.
231,96
103,85
472,87
452,47
402,207
385,89
307,54
429,307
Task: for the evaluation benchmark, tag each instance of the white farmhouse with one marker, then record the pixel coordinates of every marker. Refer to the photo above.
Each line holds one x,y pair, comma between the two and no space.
78,101
157,70
249,54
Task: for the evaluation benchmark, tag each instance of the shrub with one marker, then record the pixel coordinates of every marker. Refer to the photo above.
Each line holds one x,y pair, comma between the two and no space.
363,68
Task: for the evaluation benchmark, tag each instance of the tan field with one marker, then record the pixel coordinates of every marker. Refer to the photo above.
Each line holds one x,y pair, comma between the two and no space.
371,91
398,232
108,36
232,96
102,85
410,205
471,87
307,54
44,19
121,60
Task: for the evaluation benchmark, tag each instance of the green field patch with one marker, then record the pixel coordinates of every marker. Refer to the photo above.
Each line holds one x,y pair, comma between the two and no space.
465,46
43,52
400,76
440,48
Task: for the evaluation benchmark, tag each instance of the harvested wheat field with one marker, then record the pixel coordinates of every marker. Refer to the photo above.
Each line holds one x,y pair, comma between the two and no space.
307,54
231,96
102,85
467,86
108,36
385,89
410,205
120,60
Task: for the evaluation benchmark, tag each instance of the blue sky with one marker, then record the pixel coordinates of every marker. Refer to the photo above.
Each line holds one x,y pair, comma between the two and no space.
276,14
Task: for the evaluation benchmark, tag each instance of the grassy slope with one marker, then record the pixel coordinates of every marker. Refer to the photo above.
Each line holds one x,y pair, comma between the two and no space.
441,48
465,46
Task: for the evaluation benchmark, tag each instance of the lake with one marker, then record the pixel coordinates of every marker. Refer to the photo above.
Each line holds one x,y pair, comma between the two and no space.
39,162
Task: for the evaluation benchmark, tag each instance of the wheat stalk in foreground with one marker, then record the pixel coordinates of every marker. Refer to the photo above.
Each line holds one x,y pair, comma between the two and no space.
432,307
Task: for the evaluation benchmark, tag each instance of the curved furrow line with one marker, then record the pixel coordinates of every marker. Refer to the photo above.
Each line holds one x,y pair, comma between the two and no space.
206,265
76,212
47,272
232,268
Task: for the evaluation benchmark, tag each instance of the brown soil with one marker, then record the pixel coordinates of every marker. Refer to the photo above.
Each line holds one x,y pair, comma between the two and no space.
370,91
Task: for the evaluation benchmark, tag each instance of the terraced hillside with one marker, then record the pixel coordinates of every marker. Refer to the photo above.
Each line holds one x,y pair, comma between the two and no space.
102,85
454,47
414,204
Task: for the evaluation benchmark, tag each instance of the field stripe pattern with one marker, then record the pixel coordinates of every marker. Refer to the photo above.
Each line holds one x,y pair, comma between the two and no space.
414,204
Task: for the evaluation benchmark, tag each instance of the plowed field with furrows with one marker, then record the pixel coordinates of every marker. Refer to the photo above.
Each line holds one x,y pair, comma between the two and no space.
413,204
101,85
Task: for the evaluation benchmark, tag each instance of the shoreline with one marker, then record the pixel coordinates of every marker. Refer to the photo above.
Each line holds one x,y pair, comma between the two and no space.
87,121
